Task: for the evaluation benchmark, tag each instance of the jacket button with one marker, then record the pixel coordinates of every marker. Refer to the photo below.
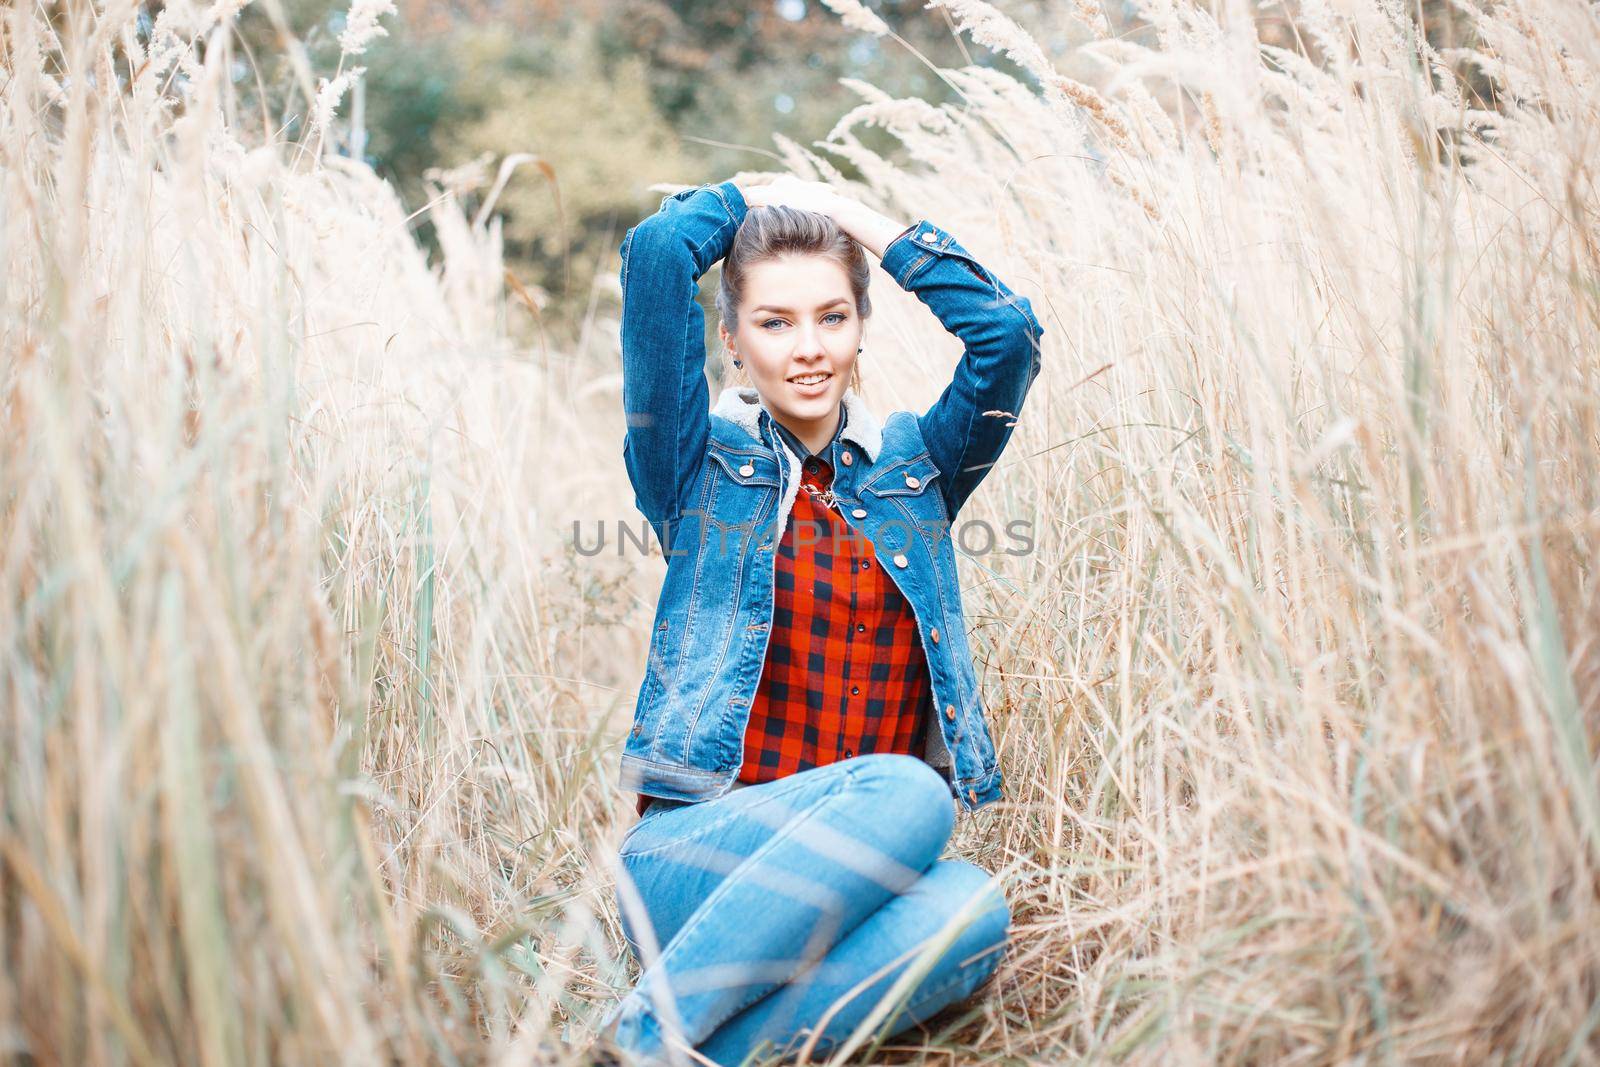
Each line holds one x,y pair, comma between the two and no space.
912,482
934,634
846,460
972,794
901,561
637,730
747,470
860,513
950,712
930,237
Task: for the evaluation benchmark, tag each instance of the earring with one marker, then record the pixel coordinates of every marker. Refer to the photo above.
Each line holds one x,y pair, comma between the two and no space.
736,363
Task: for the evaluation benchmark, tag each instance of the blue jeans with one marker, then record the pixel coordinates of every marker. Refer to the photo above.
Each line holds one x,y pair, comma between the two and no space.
776,904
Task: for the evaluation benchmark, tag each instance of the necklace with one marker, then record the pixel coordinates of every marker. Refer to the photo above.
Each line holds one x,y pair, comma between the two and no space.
823,496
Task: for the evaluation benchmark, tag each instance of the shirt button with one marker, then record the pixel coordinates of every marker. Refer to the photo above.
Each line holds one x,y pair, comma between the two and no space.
860,513
848,753
855,690
861,627
901,561
846,460
950,712
865,564
747,470
934,634
811,465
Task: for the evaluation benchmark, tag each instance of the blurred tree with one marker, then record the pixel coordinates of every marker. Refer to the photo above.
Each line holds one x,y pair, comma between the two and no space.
614,95
549,97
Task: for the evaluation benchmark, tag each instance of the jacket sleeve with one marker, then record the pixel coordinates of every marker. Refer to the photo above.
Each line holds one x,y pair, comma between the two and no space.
664,393
968,426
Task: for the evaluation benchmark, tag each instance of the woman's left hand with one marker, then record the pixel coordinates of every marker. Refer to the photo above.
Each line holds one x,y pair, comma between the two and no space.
788,191
872,230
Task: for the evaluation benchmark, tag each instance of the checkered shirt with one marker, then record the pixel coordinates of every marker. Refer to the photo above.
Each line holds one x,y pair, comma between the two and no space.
844,673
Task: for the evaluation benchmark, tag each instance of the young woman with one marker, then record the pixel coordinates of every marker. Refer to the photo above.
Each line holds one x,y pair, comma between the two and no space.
810,708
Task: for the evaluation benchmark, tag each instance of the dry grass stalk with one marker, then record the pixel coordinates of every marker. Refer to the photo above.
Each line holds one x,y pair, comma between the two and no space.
311,711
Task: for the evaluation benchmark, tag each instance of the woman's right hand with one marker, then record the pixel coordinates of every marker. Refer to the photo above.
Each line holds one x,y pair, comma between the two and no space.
871,230
788,191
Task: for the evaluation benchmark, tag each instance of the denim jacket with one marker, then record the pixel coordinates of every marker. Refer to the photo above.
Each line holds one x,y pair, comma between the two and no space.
717,485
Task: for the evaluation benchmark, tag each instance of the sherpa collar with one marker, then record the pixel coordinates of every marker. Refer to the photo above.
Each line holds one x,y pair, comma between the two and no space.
741,404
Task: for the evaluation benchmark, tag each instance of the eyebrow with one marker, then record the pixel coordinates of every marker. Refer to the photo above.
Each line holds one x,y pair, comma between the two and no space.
829,304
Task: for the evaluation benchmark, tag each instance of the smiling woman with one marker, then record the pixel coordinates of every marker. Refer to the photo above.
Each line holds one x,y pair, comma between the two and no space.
811,706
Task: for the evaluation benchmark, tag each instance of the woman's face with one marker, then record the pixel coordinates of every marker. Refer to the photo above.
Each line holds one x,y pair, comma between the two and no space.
797,320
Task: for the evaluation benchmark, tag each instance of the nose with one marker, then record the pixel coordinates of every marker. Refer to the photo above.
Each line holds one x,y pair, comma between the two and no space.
808,343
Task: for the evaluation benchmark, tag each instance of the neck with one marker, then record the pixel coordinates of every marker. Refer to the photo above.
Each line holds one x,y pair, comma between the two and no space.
814,434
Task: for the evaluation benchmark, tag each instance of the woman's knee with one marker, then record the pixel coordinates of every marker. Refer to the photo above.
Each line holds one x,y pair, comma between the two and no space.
973,893
912,794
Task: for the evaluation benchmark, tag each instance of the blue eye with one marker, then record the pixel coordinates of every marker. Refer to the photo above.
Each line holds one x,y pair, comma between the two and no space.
841,316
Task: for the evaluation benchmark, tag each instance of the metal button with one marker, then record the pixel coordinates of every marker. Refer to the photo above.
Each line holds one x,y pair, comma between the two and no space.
930,237
848,753
972,794
846,460
855,690
934,633
861,627
912,482
747,470
950,712
860,513
901,561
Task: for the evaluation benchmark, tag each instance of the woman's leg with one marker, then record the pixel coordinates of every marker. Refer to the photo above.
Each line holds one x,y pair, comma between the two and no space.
953,894
750,889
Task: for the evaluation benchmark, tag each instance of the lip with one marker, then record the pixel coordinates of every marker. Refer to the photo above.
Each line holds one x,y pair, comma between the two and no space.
812,390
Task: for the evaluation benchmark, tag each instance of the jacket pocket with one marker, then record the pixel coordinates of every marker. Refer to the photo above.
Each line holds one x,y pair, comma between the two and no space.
656,672
747,468
910,477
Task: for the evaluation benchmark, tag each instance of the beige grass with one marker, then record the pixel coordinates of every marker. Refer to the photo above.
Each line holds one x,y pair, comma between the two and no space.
310,716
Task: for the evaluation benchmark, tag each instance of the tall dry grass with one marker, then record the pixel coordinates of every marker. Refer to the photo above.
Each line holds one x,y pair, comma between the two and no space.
311,714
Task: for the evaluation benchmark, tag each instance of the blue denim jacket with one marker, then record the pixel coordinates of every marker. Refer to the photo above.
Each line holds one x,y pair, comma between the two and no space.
717,485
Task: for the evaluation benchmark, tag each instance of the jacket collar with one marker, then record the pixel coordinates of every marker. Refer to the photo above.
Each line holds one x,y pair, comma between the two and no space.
741,405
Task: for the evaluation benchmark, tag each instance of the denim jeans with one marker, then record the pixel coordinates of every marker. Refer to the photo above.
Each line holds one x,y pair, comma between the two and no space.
757,913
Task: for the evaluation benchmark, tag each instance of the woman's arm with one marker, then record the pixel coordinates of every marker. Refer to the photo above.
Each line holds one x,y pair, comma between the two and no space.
664,392
968,426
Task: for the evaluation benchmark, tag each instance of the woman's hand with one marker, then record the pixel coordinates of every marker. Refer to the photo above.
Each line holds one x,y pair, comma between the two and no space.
872,230
788,191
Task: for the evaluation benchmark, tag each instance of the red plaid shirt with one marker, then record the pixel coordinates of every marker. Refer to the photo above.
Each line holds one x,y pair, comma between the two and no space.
844,673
